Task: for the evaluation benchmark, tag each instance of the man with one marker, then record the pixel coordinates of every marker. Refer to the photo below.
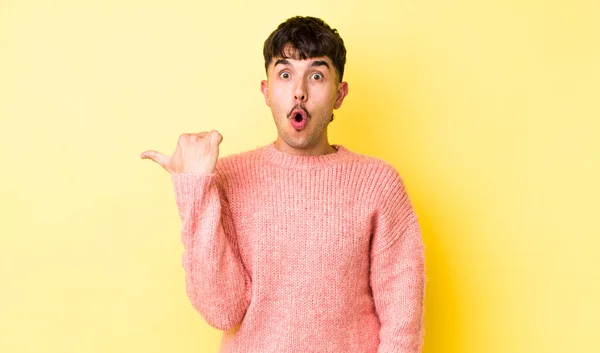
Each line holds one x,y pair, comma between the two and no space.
299,245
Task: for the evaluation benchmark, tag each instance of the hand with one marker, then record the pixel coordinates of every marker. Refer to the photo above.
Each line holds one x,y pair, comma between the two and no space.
195,153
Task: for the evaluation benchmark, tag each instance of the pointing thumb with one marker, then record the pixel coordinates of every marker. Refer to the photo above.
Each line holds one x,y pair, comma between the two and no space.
156,157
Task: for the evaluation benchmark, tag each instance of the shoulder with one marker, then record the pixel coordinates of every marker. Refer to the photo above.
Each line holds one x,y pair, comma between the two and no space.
237,163
383,180
381,170
238,157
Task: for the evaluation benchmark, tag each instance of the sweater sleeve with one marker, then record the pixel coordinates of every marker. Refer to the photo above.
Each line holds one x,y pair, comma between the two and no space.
217,284
398,270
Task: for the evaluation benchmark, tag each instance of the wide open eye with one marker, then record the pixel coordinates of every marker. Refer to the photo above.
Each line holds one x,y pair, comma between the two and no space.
317,76
284,75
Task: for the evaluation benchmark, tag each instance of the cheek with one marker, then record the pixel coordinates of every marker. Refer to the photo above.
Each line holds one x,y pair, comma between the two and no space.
323,95
279,103
274,93
276,105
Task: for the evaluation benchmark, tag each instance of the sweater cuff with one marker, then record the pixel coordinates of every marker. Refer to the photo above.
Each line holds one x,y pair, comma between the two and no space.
190,187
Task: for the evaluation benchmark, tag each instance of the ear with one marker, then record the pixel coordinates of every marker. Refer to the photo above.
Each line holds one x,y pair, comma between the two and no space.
342,92
265,91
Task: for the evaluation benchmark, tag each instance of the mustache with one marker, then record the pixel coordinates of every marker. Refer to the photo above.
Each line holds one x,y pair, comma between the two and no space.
299,107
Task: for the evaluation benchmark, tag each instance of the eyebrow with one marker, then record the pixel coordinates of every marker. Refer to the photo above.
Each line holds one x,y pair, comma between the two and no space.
282,62
313,64
319,63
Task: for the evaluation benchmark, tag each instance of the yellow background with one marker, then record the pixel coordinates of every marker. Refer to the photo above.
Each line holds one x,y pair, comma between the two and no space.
489,109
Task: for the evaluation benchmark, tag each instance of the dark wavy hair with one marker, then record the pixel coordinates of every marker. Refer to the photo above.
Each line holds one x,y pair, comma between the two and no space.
309,37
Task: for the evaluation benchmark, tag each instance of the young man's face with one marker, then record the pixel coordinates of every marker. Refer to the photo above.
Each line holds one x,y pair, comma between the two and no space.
302,95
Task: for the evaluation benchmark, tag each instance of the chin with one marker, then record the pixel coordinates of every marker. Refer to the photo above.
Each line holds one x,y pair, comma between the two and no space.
300,142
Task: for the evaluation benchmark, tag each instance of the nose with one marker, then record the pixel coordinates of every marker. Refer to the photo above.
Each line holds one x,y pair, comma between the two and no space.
300,93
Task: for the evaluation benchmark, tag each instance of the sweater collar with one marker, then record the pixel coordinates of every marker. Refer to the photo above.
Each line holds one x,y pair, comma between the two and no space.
282,159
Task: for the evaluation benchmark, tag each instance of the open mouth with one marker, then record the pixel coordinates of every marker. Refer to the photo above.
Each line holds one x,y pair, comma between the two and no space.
299,119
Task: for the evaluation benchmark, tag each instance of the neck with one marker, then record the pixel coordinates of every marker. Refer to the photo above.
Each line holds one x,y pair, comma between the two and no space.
321,148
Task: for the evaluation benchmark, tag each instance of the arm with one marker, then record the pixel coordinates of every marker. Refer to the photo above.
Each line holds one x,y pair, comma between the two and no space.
216,282
398,270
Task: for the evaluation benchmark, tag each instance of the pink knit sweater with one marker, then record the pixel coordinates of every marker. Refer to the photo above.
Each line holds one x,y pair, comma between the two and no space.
303,253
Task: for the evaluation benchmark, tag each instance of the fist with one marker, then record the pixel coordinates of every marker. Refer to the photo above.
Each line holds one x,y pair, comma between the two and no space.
195,153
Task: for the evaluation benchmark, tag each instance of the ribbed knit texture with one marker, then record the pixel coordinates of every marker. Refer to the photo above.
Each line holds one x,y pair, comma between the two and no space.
304,253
